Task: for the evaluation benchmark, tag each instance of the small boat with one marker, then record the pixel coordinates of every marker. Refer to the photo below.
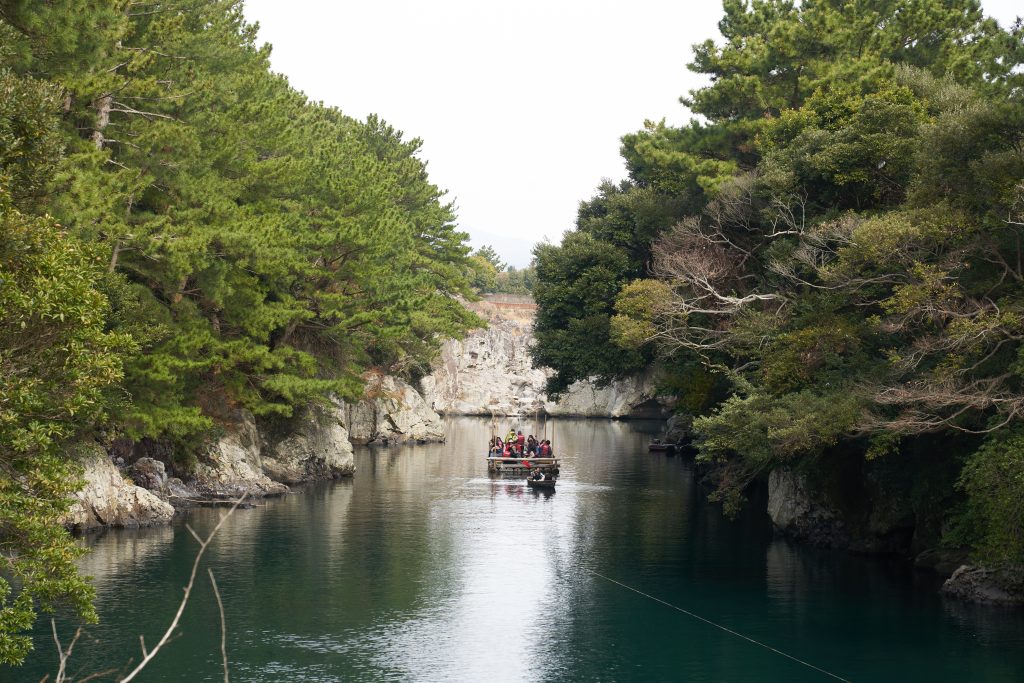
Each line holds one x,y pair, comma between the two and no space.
540,483
657,445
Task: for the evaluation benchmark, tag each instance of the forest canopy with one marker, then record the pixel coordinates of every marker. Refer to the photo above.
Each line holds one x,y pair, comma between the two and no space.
827,260
182,234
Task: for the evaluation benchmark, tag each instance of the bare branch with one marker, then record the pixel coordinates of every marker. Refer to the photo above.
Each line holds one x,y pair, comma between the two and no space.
63,654
223,624
203,545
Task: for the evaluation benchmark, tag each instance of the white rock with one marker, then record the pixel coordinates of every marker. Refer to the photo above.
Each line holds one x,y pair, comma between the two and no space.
231,465
108,500
490,373
392,411
313,445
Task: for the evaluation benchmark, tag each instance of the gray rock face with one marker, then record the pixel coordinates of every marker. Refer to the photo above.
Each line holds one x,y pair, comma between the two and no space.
108,500
489,373
149,474
630,397
314,445
392,411
798,515
975,584
231,465
263,458
941,561
677,428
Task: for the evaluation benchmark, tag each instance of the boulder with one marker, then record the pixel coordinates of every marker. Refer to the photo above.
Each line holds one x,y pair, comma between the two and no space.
108,500
976,584
311,446
392,411
941,561
677,428
797,514
231,465
149,474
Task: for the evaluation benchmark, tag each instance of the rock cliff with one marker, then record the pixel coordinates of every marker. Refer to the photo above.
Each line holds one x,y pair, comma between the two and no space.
259,457
849,509
313,445
109,500
392,411
798,514
490,373
231,465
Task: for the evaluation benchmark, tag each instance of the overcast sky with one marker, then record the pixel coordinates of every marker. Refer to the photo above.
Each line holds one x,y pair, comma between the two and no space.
520,105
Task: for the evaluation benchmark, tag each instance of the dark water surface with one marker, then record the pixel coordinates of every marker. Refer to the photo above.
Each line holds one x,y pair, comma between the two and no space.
422,568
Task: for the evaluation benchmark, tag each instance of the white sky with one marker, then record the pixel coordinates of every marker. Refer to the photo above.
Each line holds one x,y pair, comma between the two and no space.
520,105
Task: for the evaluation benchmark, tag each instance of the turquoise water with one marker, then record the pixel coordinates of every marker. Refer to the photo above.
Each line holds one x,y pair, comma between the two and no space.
422,568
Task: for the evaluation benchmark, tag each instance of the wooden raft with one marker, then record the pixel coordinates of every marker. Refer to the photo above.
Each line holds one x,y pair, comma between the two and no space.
500,465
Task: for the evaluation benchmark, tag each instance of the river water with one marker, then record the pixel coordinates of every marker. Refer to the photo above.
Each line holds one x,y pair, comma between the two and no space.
423,568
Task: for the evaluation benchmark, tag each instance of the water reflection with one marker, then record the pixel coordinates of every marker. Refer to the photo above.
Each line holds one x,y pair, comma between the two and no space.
425,568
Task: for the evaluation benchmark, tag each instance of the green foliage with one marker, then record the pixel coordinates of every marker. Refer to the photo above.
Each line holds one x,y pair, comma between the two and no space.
636,308
844,246
516,281
483,276
576,287
488,254
993,479
577,283
246,248
771,431
56,364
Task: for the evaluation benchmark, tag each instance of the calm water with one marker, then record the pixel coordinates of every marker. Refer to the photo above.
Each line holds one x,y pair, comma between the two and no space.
423,568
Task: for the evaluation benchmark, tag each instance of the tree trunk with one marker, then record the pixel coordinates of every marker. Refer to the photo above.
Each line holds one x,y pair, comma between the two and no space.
103,106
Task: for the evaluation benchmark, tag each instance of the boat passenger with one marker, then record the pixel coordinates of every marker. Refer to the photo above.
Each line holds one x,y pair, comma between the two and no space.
531,445
538,475
511,437
520,442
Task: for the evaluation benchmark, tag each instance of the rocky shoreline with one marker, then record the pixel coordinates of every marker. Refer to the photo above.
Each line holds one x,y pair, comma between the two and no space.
488,373
803,513
132,484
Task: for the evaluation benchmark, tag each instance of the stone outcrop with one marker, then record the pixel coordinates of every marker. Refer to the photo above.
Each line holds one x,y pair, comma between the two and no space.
490,373
392,411
975,584
263,458
635,397
797,514
108,500
941,561
848,509
313,445
231,465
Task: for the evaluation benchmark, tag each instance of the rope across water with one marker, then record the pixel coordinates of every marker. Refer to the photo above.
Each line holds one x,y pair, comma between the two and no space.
719,626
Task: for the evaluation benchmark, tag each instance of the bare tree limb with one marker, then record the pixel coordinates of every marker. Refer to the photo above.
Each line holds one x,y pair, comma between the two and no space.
203,545
223,624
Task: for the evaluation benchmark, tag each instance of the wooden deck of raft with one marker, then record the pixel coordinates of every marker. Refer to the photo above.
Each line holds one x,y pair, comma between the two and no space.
500,465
